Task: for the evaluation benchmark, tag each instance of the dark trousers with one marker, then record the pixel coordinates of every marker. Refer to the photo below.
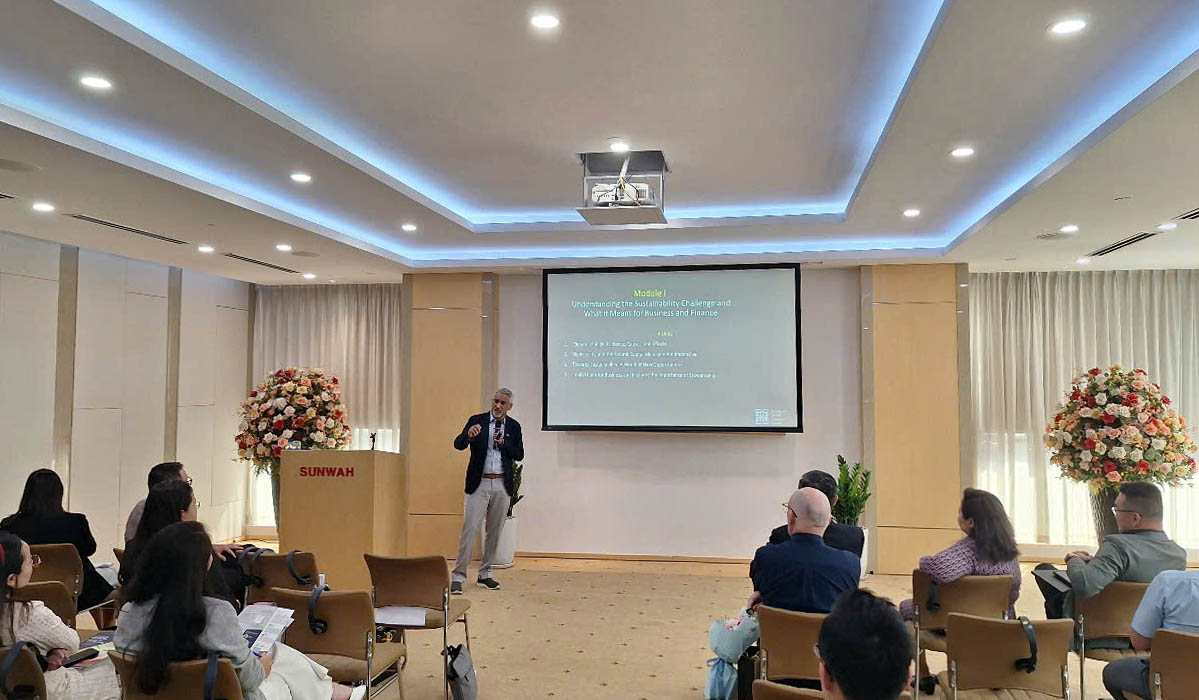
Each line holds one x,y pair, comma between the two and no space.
1127,674
1055,600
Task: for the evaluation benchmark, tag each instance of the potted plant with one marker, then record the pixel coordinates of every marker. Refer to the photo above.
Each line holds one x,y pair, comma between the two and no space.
1115,426
293,408
853,490
505,555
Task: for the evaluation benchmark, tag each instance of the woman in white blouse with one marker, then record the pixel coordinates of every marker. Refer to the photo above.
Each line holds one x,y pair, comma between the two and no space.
33,622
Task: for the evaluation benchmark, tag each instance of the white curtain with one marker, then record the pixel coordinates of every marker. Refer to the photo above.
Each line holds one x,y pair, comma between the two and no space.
352,331
1030,334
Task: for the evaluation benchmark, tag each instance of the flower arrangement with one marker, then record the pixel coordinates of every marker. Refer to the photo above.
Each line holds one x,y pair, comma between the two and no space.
1118,426
293,405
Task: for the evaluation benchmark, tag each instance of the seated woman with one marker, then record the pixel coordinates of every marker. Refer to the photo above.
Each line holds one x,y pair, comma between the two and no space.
40,519
172,616
988,549
168,503
33,622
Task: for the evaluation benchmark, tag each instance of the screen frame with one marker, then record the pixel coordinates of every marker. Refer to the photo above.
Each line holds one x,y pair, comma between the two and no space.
545,321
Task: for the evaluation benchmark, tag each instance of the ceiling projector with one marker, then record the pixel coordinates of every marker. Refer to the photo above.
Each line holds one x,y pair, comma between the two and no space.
623,189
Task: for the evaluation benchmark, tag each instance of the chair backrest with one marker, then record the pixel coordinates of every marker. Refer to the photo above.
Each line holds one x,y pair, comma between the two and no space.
273,570
984,652
349,617
1172,667
185,680
54,594
788,639
765,690
1109,612
981,596
60,562
413,581
25,673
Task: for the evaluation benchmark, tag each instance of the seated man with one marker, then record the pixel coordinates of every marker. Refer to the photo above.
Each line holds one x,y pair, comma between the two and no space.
803,573
838,536
1170,603
159,474
865,649
1138,553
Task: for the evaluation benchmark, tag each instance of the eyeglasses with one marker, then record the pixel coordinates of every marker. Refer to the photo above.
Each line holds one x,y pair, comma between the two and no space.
788,507
189,481
36,560
1123,510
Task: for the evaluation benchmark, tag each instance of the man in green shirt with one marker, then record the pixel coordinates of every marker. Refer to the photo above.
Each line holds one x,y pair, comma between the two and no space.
1139,552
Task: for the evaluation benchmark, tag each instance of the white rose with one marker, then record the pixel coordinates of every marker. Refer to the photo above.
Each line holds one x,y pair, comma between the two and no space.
1111,409
317,437
1100,448
1158,443
1065,437
262,425
1101,398
269,437
287,434
280,402
1136,455
311,413
1085,456
325,396
243,427
331,443
289,411
1091,433
1125,411
1117,452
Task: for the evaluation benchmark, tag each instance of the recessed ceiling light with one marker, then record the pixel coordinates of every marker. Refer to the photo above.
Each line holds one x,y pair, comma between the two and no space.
409,227
283,247
1083,261
44,207
1067,26
1069,228
544,20
1168,226
301,177
964,284
911,213
617,145
205,249
95,82
962,152
309,276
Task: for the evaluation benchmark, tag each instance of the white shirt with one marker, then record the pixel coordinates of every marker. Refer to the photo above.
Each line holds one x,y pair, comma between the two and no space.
494,463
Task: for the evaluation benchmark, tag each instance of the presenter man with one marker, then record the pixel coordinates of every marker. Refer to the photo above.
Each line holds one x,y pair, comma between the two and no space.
495,444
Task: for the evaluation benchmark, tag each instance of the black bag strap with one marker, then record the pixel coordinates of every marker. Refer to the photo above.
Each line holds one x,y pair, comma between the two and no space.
210,670
291,569
6,666
931,604
1028,664
316,624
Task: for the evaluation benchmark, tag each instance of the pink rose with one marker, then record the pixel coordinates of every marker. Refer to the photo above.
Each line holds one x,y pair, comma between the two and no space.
1113,477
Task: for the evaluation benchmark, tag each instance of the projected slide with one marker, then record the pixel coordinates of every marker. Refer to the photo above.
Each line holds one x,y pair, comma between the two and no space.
712,348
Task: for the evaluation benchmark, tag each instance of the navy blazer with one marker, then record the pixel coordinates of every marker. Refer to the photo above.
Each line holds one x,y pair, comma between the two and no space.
803,574
847,537
513,450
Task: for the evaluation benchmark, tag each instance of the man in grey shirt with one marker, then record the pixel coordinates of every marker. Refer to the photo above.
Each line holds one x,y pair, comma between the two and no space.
1170,603
1138,553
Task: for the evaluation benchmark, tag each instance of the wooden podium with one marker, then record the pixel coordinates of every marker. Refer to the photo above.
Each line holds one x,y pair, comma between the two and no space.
340,504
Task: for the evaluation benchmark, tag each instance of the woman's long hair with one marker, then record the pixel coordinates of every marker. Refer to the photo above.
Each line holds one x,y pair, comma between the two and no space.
164,506
11,562
172,575
42,496
994,538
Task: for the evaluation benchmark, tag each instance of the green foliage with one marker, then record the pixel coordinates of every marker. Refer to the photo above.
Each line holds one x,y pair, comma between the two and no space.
517,470
853,490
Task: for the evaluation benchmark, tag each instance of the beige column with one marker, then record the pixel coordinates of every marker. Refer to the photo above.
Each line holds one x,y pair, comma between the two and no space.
915,407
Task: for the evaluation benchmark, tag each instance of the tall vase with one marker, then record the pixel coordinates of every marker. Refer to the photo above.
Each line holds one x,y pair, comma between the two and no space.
1102,502
275,495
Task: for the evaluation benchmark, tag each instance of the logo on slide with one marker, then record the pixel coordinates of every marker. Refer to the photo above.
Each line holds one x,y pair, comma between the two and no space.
761,416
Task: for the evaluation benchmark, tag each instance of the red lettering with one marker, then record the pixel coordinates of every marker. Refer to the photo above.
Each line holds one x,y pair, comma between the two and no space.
303,471
350,471
341,472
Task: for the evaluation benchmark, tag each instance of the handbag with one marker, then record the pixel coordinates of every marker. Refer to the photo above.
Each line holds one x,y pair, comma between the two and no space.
464,684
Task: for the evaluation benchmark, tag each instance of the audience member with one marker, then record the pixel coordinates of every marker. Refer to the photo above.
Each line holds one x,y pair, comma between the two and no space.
171,502
988,549
159,474
865,649
54,641
803,573
173,616
1170,603
40,519
1138,553
838,536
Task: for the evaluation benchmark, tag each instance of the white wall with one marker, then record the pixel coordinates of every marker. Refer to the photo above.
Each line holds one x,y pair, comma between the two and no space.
28,335
118,425
213,356
676,494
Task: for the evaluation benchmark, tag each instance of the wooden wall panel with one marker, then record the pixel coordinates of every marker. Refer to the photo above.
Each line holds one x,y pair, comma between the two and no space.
914,283
900,548
449,291
434,534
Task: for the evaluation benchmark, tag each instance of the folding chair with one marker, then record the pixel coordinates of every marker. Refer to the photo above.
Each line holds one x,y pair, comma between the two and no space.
211,679
1106,614
767,690
1173,673
787,642
336,629
421,582
20,674
988,657
60,562
981,596
55,596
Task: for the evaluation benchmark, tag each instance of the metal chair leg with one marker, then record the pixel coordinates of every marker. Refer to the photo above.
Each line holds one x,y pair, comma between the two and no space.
916,621
466,631
1082,656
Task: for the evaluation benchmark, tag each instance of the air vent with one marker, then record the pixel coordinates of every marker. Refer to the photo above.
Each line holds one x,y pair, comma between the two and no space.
130,229
6,196
259,262
1192,214
1136,238
1052,236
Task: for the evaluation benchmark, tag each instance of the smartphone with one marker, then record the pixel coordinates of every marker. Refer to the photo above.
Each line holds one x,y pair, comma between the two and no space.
81,655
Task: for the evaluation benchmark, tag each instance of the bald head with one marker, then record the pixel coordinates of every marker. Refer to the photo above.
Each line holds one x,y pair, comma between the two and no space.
809,513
